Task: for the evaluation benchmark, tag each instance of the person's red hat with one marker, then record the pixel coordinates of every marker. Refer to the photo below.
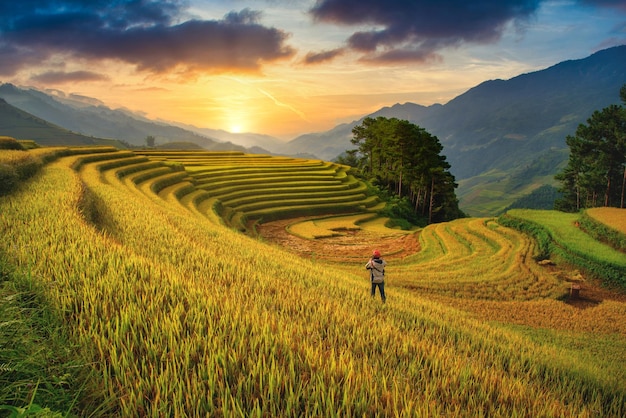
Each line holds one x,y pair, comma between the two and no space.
376,253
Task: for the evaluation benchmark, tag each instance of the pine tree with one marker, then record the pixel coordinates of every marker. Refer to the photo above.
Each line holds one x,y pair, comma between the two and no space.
596,171
407,161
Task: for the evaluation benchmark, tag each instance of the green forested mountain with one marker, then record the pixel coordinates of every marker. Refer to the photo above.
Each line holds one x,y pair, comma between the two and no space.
504,138
541,198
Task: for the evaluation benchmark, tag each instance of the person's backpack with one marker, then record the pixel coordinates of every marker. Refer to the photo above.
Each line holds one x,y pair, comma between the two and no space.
377,278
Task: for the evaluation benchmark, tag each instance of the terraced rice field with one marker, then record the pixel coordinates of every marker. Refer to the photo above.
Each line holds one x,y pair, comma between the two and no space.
472,259
244,189
176,314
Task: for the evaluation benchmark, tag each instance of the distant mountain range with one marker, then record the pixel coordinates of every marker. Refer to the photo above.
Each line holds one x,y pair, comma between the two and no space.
503,138
89,117
22,125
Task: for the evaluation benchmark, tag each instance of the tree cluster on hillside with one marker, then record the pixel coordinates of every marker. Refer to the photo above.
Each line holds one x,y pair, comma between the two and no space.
150,141
542,197
595,174
406,159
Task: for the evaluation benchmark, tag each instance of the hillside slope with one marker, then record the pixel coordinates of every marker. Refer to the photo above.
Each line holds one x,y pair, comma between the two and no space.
504,138
171,314
92,118
21,125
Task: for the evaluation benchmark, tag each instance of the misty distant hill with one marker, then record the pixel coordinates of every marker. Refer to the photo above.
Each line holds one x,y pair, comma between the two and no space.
18,124
503,138
252,141
89,117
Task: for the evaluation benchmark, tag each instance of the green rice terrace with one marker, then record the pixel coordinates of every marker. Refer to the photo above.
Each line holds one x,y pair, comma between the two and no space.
192,283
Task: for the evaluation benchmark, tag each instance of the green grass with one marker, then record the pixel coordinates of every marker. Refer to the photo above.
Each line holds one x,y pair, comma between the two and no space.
562,237
39,372
563,228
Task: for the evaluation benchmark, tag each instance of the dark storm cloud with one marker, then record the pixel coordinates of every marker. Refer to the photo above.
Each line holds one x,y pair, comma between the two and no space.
152,35
59,77
416,30
319,57
12,59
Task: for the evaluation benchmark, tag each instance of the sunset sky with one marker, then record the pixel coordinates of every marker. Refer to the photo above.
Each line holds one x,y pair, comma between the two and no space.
288,67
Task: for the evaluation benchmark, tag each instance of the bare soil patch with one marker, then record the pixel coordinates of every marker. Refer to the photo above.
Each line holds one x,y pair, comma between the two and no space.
585,292
351,246
592,293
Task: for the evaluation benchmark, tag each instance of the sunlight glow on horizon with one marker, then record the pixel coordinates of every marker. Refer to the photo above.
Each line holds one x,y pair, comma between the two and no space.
236,129
282,96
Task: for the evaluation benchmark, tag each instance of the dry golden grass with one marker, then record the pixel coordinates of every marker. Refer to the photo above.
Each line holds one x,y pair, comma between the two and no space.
337,226
180,316
613,217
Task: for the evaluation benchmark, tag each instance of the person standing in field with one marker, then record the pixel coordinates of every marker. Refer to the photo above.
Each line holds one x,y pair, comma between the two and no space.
376,266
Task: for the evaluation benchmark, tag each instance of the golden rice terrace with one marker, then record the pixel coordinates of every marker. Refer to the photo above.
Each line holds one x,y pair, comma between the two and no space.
172,311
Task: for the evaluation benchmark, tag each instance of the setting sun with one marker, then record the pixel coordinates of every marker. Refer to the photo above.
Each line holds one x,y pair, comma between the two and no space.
288,68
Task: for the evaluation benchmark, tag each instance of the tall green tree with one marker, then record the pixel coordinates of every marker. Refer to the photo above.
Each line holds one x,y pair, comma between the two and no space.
407,161
596,171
